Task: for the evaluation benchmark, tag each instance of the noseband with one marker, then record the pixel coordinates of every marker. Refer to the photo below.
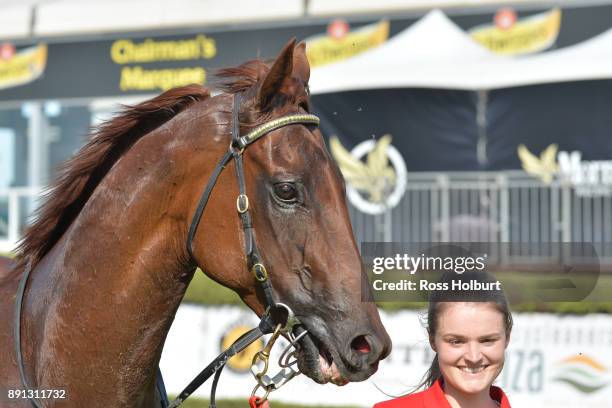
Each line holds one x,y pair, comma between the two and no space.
270,319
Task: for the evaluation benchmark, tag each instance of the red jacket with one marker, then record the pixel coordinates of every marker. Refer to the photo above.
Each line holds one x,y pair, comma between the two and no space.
433,397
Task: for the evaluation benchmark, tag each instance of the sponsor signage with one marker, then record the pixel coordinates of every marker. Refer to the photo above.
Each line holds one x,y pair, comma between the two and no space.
148,63
23,67
510,36
134,57
552,361
376,184
587,177
339,43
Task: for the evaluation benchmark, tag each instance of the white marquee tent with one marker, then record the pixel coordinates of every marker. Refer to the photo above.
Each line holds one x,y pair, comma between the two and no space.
435,53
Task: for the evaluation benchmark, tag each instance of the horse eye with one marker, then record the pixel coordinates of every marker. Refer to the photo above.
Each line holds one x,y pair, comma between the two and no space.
286,192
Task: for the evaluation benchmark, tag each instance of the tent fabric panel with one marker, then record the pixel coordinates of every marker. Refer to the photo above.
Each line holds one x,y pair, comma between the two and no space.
574,115
434,130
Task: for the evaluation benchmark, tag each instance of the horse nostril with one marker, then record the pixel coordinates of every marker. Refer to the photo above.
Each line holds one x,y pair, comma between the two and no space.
360,344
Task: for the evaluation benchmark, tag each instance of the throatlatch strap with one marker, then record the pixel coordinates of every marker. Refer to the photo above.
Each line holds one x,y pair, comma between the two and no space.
195,221
204,200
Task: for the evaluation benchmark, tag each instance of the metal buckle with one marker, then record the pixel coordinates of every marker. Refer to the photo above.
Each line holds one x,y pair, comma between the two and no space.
242,203
260,272
236,150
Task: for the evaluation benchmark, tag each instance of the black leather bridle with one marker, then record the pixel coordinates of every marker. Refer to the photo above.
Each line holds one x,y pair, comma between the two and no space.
275,314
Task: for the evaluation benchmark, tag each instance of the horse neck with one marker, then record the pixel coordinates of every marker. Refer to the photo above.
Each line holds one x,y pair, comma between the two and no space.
111,286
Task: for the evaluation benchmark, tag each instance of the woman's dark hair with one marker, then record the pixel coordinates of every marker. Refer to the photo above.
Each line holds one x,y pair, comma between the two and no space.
438,298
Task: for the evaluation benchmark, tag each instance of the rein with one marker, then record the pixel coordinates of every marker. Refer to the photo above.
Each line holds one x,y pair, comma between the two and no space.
277,319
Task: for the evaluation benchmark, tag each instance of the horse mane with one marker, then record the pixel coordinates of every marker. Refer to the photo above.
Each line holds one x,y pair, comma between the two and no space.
79,176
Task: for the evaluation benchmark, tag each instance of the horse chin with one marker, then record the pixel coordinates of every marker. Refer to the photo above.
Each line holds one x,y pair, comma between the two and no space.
316,361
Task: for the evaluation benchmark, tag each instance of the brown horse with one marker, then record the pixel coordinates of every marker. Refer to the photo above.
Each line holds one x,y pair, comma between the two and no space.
108,255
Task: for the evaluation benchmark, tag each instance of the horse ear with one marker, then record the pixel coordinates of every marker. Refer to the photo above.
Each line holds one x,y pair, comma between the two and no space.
301,67
280,71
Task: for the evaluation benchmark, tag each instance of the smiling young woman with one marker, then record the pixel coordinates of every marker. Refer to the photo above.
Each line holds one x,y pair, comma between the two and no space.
469,332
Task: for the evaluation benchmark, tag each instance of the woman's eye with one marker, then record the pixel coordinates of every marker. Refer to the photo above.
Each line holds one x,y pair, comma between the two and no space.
286,192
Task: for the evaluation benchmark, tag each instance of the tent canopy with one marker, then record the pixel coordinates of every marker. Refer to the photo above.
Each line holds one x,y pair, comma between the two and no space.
435,53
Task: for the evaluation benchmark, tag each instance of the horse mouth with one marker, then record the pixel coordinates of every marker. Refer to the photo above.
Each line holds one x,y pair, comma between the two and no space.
317,360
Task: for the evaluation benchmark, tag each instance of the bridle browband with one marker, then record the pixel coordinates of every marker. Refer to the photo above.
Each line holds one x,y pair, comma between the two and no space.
253,259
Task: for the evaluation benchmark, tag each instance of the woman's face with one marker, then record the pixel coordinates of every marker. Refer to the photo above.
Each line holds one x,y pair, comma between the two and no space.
470,340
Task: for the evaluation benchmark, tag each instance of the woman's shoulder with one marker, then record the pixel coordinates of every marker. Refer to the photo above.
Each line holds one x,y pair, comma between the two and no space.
416,400
498,395
433,397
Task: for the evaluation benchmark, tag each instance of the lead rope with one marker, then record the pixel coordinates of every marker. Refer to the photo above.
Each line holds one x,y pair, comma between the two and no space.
219,362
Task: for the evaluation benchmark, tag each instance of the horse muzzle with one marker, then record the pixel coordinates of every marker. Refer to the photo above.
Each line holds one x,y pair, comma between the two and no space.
324,360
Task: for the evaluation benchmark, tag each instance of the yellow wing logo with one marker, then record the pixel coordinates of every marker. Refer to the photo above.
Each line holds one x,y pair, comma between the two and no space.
543,167
240,362
375,177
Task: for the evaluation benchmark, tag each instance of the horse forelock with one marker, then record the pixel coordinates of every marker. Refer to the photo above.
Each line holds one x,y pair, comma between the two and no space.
246,77
243,77
80,175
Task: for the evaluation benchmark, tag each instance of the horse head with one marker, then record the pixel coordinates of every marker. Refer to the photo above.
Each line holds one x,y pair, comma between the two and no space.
301,225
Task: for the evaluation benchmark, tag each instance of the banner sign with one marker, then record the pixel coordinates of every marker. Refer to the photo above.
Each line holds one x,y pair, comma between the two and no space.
323,49
552,361
149,63
588,178
526,36
131,55
23,67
